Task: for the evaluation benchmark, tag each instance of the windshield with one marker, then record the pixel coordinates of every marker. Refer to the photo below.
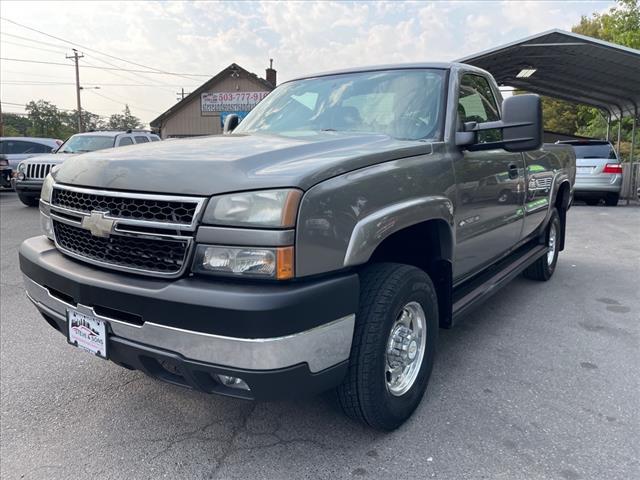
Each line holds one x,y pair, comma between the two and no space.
86,143
405,104
594,150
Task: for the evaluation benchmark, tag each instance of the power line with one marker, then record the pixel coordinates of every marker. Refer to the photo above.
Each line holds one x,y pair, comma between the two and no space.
126,77
57,45
35,47
54,84
24,60
122,102
155,70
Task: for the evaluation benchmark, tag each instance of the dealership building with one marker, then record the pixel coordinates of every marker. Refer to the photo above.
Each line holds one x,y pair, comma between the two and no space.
202,112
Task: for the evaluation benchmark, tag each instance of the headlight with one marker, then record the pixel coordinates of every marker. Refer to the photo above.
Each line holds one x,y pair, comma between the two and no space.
47,189
266,209
274,263
22,167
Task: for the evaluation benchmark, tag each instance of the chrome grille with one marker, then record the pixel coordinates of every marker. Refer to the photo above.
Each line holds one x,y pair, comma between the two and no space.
37,171
139,208
138,233
150,255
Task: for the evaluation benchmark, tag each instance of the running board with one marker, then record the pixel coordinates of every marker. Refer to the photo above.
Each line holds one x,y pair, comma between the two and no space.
479,289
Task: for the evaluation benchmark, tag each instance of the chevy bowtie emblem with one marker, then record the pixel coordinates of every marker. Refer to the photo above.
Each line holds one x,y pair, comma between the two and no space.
98,225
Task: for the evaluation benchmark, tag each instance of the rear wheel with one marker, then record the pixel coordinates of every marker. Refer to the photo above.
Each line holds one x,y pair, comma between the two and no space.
611,200
544,267
393,346
28,200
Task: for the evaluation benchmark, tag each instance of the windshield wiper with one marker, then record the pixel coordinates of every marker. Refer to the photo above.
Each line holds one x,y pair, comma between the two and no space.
328,130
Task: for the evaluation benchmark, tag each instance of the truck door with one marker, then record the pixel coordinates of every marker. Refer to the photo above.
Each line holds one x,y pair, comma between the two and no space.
490,186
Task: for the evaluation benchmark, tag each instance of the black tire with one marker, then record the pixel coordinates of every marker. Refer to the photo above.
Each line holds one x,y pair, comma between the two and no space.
611,200
28,200
543,269
385,289
592,202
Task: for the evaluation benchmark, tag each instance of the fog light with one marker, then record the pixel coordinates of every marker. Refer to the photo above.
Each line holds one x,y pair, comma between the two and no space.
233,382
21,176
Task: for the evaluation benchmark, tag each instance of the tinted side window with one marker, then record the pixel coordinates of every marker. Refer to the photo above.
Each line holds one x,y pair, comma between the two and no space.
140,139
155,138
476,103
125,141
19,146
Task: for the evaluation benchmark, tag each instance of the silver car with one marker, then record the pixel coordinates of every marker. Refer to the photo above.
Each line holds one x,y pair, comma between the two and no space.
599,172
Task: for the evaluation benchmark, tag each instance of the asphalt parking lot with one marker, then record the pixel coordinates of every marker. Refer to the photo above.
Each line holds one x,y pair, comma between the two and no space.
541,382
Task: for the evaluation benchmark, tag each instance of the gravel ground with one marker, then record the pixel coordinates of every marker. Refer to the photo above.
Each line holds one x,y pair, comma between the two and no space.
541,382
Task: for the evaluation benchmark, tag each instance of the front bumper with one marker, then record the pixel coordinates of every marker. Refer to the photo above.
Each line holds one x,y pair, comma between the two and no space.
28,187
283,340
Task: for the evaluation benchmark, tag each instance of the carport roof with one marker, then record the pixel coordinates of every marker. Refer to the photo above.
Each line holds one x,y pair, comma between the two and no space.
568,66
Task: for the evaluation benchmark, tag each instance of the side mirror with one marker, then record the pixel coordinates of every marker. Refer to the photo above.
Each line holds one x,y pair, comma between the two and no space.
521,127
230,123
522,116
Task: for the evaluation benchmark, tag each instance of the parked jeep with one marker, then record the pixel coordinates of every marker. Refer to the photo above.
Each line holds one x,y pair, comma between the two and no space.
32,171
318,246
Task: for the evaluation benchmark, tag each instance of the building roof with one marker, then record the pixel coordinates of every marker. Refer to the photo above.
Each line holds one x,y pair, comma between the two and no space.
156,122
571,67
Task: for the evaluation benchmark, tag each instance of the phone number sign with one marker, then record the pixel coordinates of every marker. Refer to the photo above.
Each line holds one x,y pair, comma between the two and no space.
230,101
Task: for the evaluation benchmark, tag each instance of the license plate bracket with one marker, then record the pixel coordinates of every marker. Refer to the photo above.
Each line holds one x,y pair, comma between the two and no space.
87,332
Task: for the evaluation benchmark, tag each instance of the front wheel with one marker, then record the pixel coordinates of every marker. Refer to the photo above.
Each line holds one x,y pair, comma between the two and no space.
544,267
393,348
28,200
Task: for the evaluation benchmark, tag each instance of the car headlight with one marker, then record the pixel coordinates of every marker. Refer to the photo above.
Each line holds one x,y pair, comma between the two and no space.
273,263
45,210
263,209
22,167
47,189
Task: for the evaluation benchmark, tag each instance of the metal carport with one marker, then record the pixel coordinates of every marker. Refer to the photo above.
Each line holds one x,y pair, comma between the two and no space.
570,67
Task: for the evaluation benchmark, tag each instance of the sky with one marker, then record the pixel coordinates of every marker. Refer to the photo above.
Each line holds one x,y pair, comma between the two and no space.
195,40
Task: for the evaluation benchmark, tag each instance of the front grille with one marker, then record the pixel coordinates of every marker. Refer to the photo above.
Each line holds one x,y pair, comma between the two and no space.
129,207
153,255
38,170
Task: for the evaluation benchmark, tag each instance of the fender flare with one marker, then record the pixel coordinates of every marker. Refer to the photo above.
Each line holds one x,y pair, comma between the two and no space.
370,231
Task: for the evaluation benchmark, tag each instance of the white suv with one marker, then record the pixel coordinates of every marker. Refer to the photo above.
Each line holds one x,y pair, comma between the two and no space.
32,171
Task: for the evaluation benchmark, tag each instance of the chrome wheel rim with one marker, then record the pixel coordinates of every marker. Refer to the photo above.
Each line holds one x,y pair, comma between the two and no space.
405,349
551,252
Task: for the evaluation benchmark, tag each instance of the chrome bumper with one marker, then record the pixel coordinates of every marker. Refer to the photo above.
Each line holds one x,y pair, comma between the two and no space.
320,348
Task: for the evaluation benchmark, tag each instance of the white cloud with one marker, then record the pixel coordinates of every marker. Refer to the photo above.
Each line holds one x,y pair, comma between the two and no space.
204,37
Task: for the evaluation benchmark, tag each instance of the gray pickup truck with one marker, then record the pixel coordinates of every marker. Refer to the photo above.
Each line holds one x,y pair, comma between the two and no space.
319,245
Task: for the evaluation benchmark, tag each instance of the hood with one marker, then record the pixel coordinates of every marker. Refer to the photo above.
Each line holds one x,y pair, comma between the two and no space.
227,163
48,158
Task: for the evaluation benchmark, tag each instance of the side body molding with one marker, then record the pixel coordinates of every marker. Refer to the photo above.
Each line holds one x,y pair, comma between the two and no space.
372,230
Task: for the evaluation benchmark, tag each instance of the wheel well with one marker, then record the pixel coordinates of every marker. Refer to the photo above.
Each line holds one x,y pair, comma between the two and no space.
428,246
562,205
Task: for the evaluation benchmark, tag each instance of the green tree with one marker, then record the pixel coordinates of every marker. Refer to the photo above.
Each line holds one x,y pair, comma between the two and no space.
46,120
15,125
124,120
619,25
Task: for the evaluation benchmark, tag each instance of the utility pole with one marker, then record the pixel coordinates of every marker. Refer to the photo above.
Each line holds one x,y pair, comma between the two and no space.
76,57
182,94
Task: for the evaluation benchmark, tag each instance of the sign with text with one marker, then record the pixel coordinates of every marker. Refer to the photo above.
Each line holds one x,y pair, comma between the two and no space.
230,101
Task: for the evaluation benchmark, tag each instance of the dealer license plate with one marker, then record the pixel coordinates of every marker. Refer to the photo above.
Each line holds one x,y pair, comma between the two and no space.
87,332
